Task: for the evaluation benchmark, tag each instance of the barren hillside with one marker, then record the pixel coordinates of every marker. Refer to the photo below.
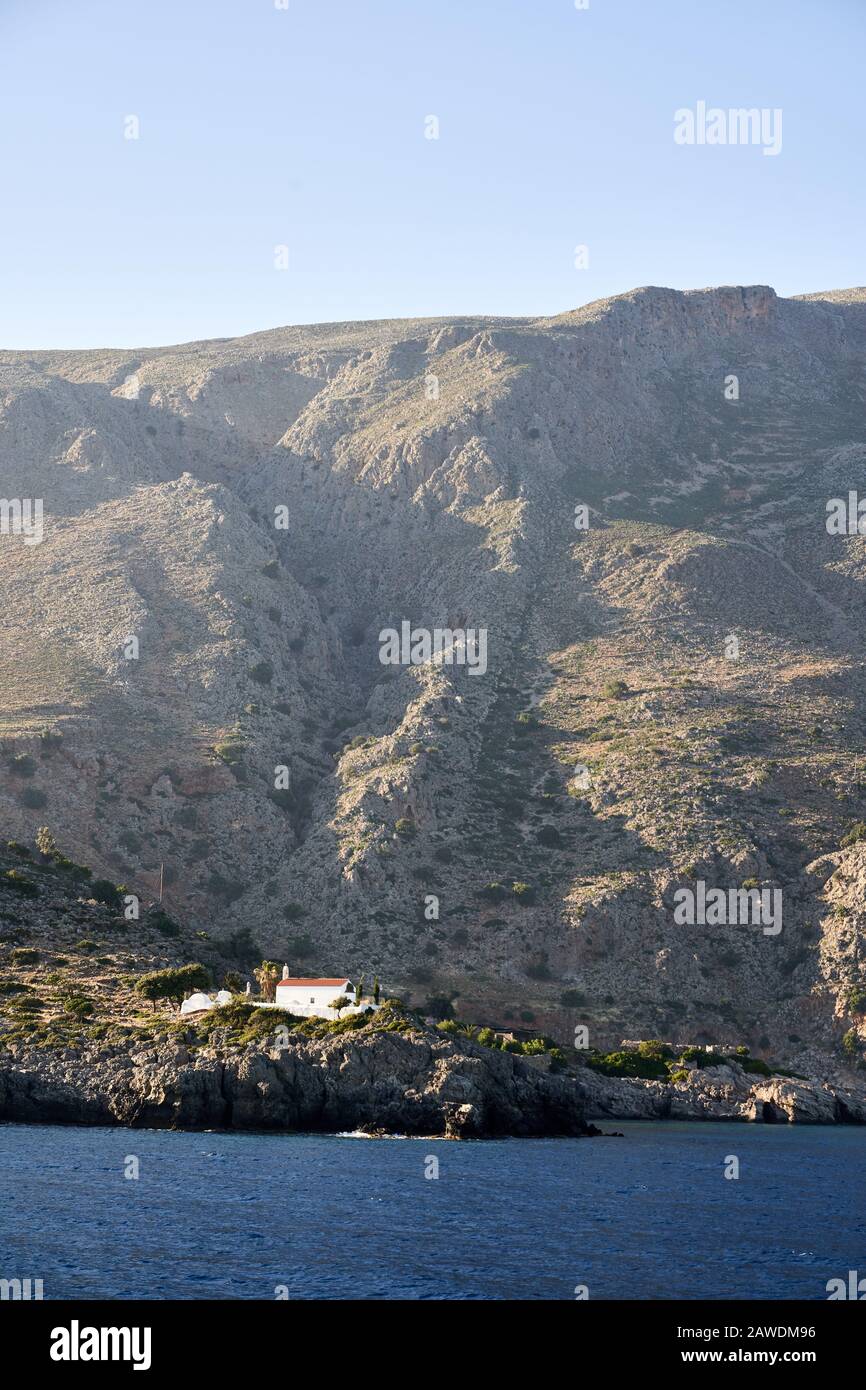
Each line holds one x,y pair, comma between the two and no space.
618,745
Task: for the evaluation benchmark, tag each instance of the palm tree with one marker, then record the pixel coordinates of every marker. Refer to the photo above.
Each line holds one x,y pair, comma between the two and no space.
267,975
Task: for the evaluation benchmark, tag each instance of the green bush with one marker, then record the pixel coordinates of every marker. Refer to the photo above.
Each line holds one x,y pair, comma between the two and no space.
493,892
165,925
262,673
856,833
614,690
851,1043
647,1068
34,798
538,970
77,1005
754,1066
172,984
857,1000
571,999
22,765
438,1006
13,878
102,890
25,955
231,751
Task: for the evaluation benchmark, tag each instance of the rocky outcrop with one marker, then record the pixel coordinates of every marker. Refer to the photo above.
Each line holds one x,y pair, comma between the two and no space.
722,1093
415,1082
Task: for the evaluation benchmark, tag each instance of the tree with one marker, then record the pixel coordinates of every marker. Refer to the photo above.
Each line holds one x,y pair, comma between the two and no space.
375,989
45,842
359,990
102,890
172,984
268,975
439,1006
341,1002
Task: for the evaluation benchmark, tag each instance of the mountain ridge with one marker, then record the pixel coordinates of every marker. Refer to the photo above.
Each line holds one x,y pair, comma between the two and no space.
431,470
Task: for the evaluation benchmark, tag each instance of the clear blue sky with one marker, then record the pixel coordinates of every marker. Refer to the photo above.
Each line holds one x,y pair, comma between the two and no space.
305,127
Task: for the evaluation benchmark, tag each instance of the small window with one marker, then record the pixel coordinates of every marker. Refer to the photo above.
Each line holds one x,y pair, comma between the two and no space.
312,999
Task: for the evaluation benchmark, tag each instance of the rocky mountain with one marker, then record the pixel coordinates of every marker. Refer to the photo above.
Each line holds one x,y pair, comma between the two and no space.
630,502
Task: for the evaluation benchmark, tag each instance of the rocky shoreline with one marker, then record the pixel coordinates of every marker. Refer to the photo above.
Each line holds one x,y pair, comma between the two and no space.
723,1093
410,1082
417,1081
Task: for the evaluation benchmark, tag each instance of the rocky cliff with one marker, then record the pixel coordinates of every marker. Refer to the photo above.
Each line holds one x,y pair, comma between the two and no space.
412,1082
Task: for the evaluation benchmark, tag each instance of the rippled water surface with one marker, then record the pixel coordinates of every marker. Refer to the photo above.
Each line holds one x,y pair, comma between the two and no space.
649,1215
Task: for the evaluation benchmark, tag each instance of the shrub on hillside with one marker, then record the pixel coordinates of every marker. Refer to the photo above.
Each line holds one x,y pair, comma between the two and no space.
571,999
20,883
524,893
493,892
172,984
102,890
34,798
24,955
77,1005
857,1000
262,673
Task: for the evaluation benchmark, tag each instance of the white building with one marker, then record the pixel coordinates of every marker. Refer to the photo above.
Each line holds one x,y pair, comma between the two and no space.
305,998
312,998
199,1002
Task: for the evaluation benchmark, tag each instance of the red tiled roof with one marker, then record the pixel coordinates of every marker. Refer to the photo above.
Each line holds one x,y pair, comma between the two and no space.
295,982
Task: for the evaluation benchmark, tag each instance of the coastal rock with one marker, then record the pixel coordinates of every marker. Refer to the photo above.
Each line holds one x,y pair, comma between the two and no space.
407,1082
722,1093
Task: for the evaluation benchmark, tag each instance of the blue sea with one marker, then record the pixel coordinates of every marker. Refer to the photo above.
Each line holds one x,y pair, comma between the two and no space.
259,1216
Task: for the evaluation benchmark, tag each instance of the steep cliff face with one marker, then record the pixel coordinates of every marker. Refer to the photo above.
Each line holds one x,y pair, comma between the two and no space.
360,816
